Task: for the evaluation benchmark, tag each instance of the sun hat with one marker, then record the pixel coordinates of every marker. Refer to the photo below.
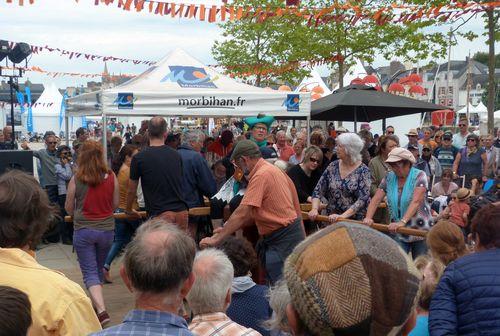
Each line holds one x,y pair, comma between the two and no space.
341,129
245,148
338,282
463,194
412,131
399,154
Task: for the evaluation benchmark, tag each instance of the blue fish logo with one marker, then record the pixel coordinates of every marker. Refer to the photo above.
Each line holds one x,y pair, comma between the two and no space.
292,102
125,100
190,77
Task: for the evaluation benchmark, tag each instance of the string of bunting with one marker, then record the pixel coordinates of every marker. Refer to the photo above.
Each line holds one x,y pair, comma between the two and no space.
55,74
315,16
3,104
77,54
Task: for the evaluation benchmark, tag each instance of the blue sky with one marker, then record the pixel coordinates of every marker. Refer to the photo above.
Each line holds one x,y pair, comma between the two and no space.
110,31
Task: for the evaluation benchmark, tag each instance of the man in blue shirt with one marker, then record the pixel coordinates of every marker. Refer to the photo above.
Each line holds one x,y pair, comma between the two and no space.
197,178
157,268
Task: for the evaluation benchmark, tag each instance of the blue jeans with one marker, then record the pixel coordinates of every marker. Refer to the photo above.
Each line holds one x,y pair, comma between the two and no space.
92,247
124,231
416,248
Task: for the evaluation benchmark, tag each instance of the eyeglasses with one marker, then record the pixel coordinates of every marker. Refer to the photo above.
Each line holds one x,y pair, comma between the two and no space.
313,160
437,137
260,128
52,143
390,132
426,150
65,153
461,125
471,140
446,139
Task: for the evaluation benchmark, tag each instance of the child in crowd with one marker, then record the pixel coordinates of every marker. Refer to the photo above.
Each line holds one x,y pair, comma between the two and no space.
458,210
431,273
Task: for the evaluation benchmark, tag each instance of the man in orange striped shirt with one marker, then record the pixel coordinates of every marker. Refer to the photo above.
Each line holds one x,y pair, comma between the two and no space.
271,202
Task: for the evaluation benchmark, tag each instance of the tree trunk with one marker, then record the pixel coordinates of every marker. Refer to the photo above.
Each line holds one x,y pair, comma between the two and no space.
341,81
491,69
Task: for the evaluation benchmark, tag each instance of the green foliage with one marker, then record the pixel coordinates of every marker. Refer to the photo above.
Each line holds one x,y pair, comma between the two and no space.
484,97
280,40
483,57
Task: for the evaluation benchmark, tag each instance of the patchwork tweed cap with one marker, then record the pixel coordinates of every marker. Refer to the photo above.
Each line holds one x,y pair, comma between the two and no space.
348,279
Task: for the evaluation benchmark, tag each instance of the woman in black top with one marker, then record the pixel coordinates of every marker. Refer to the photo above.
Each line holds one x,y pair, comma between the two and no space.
305,175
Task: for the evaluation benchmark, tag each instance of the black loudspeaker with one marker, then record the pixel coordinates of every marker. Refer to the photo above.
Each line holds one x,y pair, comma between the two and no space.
4,49
20,52
16,159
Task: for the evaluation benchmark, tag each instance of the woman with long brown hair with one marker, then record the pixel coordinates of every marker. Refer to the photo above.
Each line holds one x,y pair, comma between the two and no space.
92,197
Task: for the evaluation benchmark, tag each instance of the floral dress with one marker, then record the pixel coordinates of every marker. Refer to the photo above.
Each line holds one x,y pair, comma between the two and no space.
352,192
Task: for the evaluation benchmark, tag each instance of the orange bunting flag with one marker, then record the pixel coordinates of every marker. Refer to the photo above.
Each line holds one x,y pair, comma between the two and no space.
212,15
202,13
192,12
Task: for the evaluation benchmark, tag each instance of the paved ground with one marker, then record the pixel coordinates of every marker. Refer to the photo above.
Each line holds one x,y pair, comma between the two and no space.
116,296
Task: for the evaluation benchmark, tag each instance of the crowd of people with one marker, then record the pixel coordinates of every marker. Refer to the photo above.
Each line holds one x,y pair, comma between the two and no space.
258,264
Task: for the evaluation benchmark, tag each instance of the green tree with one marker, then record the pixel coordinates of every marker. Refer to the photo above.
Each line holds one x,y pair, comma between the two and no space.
252,44
483,57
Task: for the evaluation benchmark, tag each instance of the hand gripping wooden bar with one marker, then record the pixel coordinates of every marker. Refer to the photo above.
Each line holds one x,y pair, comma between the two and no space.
376,226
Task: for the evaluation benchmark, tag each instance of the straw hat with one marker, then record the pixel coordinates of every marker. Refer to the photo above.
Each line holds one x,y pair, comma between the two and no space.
463,194
412,131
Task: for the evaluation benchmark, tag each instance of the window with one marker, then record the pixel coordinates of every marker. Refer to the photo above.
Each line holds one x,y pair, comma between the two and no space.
450,90
441,91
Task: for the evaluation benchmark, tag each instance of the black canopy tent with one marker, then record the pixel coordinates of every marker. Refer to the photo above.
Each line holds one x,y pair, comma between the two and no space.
364,103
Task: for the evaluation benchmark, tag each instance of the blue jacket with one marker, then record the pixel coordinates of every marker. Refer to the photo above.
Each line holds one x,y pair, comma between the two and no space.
467,298
197,179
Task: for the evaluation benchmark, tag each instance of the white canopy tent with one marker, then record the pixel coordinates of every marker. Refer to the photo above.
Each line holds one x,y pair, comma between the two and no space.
46,110
179,85
314,84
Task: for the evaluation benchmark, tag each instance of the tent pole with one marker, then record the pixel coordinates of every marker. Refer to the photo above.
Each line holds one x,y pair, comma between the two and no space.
308,130
66,128
355,120
104,137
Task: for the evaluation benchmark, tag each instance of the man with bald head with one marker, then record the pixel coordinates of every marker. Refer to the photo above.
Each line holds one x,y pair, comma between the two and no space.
159,167
157,269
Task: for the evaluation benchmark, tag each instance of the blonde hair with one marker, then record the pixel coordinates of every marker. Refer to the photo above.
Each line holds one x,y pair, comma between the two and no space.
446,242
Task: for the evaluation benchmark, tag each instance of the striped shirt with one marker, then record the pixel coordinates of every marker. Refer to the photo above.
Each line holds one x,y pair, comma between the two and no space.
273,197
218,324
149,322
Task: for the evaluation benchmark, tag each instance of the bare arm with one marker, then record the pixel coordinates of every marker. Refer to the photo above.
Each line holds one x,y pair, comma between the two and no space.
484,157
374,203
241,217
69,206
456,162
131,193
116,193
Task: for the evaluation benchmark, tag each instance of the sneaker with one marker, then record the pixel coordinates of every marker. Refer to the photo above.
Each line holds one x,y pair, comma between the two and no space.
107,276
103,318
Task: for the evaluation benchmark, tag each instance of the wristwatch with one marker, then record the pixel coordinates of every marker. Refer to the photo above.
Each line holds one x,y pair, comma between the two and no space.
403,221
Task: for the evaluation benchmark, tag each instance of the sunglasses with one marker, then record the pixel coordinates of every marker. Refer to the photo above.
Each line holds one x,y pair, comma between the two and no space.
65,153
313,160
461,125
437,137
426,150
52,143
389,132
446,139
471,140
